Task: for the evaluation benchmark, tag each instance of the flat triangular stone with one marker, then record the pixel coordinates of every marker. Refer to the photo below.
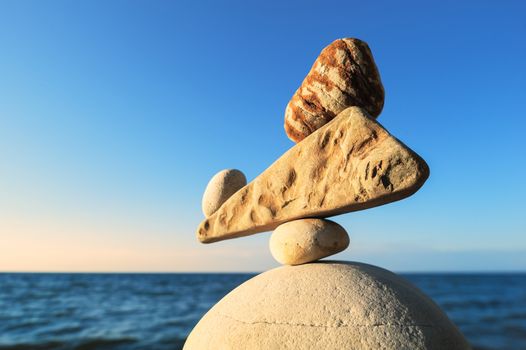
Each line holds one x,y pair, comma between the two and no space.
351,163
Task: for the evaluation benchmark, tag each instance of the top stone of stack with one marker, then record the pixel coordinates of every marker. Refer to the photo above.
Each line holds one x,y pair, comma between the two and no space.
343,75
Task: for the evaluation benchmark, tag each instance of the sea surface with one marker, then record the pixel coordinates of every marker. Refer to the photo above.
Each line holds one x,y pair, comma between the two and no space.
157,311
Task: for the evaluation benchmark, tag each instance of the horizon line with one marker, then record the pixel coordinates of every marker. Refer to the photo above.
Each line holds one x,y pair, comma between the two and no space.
458,272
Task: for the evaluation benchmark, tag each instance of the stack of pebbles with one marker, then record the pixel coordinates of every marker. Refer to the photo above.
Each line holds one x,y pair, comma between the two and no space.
343,161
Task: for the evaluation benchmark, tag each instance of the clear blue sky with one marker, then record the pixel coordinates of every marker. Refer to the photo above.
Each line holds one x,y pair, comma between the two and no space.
115,114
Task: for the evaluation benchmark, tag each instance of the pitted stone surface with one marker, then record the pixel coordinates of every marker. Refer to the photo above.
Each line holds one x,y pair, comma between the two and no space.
351,163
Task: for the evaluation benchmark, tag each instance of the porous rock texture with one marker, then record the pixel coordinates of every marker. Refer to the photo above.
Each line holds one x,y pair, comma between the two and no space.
351,163
222,185
326,306
343,75
306,240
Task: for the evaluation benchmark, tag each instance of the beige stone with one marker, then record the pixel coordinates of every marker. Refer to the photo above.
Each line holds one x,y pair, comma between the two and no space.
343,75
351,163
330,306
222,185
306,240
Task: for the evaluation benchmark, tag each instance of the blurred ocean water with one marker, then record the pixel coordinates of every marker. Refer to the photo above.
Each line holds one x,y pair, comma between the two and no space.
157,311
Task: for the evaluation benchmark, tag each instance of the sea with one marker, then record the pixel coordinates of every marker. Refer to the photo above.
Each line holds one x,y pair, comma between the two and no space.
158,311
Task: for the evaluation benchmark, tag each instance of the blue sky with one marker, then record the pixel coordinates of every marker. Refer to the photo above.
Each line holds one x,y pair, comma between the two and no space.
115,114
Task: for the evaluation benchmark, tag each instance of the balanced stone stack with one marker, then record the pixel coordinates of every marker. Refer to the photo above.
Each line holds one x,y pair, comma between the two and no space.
343,161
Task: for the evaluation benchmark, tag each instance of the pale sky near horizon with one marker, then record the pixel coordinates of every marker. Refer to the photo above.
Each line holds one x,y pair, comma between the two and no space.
115,114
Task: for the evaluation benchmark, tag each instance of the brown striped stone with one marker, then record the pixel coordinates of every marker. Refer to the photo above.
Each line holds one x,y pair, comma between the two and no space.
343,75
351,163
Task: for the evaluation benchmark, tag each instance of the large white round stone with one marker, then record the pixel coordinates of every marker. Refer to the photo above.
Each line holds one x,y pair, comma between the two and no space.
333,305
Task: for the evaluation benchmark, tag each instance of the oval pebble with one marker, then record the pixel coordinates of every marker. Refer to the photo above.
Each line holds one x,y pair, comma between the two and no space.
306,240
221,187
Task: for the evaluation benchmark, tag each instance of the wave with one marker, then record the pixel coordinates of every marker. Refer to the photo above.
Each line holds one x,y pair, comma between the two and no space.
103,343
